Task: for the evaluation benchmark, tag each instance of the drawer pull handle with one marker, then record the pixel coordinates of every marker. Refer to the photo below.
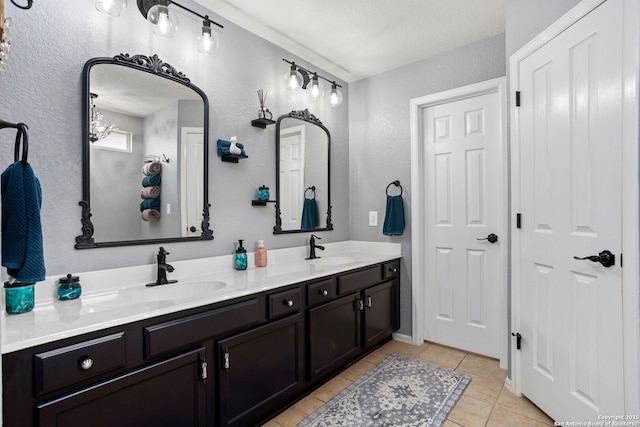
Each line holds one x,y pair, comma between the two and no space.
288,303
324,292
86,363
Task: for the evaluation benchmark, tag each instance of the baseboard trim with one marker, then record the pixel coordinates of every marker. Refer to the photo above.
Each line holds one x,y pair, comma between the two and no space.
403,338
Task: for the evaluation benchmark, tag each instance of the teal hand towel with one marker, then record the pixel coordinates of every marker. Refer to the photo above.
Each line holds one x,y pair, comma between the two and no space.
22,249
150,204
310,217
151,180
394,217
223,147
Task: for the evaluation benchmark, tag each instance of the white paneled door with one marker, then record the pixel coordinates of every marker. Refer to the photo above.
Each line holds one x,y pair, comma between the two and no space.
292,145
192,180
567,170
463,178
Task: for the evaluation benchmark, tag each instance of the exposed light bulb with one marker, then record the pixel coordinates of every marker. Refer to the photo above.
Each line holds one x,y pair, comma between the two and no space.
111,8
165,23
335,96
316,90
294,79
207,39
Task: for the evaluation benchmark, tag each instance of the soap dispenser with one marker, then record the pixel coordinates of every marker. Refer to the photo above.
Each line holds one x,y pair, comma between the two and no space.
241,257
261,255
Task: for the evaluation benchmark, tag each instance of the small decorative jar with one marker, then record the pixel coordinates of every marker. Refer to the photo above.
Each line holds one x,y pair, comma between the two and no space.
69,287
19,297
263,193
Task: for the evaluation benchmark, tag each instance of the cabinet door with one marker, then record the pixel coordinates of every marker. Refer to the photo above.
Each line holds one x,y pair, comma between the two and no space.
334,335
379,317
170,393
259,370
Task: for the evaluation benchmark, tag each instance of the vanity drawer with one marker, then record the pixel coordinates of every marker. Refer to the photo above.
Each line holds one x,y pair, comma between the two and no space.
320,292
360,279
391,270
66,365
172,335
285,302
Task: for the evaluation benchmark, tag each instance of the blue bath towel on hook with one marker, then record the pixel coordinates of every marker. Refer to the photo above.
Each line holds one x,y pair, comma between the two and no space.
22,250
394,217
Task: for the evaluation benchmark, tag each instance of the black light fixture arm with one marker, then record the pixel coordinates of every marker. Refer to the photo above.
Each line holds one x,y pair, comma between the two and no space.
145,5
304,71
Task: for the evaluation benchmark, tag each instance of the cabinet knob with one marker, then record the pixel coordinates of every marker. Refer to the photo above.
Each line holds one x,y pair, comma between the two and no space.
393,270
86,363
324,292
288,303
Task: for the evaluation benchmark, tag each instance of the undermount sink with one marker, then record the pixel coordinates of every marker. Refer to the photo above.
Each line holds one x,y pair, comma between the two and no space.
181,290
333,260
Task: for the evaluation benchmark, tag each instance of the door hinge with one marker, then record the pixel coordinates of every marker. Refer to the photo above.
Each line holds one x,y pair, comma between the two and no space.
518,340
518,220
203,369
517,98
225,360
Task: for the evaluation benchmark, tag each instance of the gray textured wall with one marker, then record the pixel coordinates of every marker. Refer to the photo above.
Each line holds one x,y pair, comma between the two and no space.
42,88
525,19
380,140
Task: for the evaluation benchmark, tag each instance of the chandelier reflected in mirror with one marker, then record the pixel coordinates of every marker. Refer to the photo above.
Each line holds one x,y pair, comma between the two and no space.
97,130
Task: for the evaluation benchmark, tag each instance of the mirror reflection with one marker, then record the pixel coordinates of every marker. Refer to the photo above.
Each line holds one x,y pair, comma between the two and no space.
145,154
302,174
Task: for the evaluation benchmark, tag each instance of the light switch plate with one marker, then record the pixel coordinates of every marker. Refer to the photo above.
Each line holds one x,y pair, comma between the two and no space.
373,218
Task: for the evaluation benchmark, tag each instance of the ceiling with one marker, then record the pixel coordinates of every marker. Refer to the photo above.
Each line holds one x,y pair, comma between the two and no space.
355,39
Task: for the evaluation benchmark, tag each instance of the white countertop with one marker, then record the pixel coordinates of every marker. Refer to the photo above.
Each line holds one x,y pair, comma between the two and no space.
119,296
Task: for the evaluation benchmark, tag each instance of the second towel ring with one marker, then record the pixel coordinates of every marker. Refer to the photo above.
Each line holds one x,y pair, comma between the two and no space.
397,184
313,190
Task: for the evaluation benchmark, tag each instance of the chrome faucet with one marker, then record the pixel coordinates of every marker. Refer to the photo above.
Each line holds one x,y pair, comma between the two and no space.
163,268
313,247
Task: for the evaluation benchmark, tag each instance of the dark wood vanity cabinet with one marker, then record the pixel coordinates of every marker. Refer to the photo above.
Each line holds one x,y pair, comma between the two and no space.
259,370
165,394
233,363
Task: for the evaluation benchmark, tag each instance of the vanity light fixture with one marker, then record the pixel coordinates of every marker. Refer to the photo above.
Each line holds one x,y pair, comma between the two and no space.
165,22
111,8
299,77
97,130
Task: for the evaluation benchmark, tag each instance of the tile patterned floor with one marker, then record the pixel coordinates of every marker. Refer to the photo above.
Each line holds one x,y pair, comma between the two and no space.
486,402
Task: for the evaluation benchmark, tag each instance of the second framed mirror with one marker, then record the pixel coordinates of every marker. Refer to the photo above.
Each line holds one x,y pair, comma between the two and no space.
303,166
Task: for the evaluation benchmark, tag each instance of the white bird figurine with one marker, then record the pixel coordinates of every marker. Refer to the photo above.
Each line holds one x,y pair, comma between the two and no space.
233,148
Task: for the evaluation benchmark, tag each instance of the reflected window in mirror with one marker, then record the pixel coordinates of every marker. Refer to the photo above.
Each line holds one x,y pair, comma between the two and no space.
146,180
303,190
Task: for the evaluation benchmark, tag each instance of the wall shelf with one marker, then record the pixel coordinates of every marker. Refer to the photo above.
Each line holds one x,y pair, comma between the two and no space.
261,202
261,123
233,158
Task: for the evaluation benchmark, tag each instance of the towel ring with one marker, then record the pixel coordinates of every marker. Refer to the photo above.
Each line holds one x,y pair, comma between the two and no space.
313,189
397,184
21,137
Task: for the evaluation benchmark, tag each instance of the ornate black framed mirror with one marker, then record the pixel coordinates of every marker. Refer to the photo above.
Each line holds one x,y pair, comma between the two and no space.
144,155
303,171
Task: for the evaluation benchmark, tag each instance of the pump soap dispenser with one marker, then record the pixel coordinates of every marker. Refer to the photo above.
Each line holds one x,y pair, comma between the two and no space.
241,257
261,255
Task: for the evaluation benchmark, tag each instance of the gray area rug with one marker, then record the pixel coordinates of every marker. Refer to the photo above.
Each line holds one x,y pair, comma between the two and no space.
398,392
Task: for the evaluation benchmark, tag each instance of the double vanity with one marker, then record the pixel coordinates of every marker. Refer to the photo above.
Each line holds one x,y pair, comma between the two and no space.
219,347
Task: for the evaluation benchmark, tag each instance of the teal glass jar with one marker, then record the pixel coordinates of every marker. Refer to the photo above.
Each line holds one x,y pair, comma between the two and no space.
263,193
69,288
19,297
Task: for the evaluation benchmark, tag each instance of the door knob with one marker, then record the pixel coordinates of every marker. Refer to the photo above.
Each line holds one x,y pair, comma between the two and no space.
606,258
193,229
492,238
